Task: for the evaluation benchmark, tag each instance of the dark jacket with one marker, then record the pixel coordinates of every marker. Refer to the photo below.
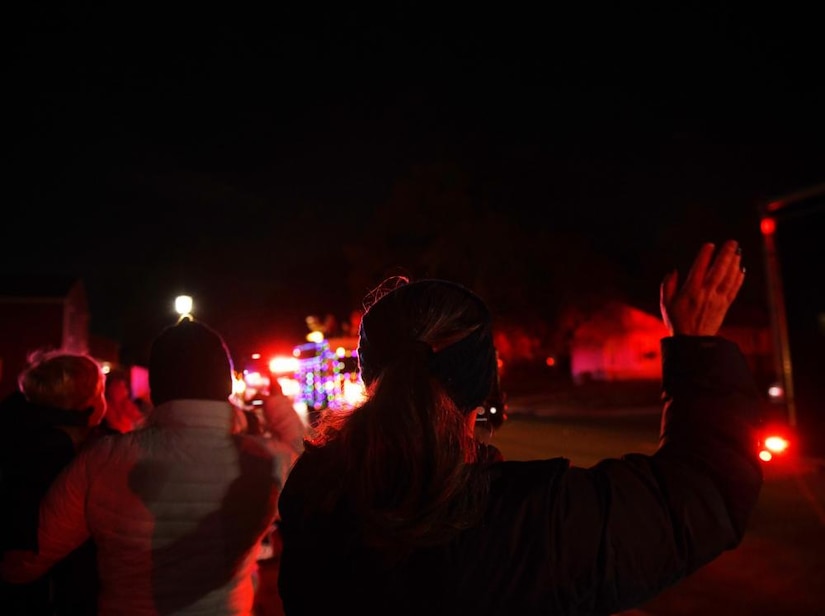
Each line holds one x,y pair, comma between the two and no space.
558,539
33,451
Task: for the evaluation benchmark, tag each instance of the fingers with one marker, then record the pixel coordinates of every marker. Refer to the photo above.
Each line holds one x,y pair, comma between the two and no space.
698,270
731,285
724,266
740,279
667,290
698,307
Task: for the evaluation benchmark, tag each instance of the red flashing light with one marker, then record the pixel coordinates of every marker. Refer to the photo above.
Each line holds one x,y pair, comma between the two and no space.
767,226
774,445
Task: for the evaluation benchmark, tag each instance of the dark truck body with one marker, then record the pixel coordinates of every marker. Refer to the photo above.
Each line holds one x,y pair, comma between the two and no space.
793,232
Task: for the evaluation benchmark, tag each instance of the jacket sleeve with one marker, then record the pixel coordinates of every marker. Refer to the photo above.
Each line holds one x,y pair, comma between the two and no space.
284,423
659,518
62,524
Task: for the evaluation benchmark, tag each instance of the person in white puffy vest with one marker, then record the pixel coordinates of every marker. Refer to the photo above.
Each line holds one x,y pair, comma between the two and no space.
178,508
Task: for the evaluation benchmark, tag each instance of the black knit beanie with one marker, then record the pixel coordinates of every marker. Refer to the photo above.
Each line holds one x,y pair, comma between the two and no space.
189,360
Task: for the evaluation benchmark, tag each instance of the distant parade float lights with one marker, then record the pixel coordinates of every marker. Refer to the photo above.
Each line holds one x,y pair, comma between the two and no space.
281,364
321,375
183,306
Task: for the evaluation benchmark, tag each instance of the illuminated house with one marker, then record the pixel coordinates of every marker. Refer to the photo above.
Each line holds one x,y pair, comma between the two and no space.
621,343
39,312
618,343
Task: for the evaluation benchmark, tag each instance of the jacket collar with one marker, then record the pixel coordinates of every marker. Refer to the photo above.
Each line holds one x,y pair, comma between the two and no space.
194,414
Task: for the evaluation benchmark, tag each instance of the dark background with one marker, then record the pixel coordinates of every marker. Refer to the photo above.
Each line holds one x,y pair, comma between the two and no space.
278,163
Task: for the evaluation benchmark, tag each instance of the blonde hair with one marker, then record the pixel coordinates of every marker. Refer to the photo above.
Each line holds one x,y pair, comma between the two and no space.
69,381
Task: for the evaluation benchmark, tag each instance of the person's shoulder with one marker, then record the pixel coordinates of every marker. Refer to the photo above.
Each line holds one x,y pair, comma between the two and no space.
104,443
41,446
525,472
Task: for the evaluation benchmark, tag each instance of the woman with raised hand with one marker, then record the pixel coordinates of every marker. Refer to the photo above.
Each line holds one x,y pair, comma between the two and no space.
395,507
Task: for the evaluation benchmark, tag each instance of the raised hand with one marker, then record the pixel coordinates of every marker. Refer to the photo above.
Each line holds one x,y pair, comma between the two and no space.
700,305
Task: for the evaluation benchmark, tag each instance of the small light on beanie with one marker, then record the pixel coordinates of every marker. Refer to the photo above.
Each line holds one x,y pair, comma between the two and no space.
183,306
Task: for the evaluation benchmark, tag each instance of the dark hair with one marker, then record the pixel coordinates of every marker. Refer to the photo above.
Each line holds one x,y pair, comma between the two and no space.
410,466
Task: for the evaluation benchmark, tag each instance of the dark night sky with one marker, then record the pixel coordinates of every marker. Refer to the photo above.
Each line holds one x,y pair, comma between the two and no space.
231,153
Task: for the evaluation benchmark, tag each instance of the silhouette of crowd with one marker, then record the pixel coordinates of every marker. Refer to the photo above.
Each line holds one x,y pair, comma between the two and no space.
396,506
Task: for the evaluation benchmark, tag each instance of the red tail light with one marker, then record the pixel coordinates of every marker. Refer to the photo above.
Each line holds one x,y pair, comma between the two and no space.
774,444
